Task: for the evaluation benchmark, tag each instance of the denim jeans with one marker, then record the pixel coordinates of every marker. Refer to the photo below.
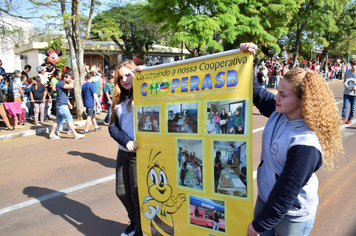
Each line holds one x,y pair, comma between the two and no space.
108,115
348,99
63,113
276,81
286,227
217,128
126,185
216,226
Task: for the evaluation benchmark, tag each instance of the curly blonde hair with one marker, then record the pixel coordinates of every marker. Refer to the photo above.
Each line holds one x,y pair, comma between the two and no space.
319,111
120,94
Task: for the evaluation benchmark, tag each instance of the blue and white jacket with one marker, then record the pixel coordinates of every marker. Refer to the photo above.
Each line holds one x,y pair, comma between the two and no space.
123,129
291,153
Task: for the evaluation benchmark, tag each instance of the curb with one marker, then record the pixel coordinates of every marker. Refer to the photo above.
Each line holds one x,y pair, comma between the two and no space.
42,130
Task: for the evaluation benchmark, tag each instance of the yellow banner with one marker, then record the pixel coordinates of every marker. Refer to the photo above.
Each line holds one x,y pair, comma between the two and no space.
194,132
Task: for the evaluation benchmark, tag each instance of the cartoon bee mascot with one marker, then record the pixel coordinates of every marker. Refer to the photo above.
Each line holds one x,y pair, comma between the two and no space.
159,206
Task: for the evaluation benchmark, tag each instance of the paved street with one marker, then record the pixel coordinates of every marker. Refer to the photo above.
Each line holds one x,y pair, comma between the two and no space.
66,186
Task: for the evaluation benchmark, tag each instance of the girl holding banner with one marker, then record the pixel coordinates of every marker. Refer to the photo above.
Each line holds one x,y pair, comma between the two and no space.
122,130
301,134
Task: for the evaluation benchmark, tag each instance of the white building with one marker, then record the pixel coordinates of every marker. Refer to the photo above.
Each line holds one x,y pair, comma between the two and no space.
22,30
96,53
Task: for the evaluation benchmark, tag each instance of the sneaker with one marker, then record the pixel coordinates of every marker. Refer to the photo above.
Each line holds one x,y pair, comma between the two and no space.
57,133
80,136
87,131
343,122
54,137
69,132
130,230
97,128
138,232
349,122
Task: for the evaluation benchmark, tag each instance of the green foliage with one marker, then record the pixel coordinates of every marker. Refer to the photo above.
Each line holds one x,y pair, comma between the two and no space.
57,43
343,37
127,25
103,27
230,22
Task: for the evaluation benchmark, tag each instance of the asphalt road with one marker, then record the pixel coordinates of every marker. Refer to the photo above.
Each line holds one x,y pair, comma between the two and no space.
66,186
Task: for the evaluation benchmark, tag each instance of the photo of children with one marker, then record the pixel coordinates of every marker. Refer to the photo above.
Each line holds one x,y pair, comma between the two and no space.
208,213
230,168
226,117
182,118
190,162
148,119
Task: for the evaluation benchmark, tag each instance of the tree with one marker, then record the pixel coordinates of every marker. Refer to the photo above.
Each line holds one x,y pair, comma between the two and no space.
343,37
226,23
315,17
72,21
76,27
126,26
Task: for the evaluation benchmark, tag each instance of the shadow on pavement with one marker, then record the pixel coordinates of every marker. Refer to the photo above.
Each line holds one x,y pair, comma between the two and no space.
75,213
104,161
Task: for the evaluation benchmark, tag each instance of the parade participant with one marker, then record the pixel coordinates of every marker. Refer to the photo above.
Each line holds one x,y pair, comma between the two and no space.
349,93
25,71
56,76
63,106
147,63
98,88
14,96
38,94
88,96
137,59
108,91
24,102
17,79
2,71
261,77
2,110
44,75
122,130
300,135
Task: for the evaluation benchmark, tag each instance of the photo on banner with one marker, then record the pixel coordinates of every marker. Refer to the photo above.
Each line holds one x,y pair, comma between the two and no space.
190,163
230,168
194,171
207,213
182,118
148,118
226,117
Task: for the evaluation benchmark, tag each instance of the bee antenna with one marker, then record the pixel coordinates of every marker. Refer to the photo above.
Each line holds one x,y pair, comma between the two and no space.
156,155
150,156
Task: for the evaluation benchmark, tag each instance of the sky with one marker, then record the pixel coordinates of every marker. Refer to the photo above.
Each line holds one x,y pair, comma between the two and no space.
23,7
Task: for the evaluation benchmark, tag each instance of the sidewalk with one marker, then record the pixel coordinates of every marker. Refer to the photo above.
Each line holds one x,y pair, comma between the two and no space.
31,129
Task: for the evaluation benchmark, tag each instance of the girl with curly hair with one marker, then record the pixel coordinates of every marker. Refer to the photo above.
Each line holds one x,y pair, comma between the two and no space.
122,130
302,133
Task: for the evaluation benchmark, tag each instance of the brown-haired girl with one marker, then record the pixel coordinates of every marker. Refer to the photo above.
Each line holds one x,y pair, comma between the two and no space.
122,130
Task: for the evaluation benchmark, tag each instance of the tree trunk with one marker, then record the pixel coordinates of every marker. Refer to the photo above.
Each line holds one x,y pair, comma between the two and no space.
297,45
76,48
